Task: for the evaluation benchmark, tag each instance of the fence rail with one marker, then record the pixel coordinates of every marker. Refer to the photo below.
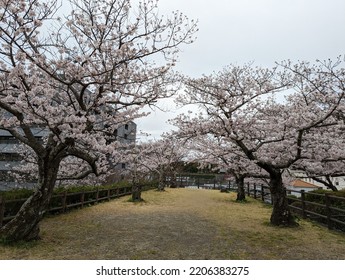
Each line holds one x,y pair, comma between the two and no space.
303,204
64,201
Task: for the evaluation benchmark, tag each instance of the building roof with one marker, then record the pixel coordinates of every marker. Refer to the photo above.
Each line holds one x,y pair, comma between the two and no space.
302,184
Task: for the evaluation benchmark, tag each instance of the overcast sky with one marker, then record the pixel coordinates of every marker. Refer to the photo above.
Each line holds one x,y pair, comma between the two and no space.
258,31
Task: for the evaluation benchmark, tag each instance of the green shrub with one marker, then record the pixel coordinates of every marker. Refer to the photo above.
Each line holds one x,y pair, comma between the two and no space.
320,197
16,194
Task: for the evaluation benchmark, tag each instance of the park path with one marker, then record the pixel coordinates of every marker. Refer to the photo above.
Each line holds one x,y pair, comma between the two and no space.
176,224
165,226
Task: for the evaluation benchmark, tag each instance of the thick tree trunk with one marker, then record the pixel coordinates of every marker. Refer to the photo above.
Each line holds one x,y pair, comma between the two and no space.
241,194
25,225
281,215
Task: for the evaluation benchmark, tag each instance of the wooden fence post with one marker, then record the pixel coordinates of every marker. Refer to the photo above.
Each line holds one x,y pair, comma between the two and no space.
304,214
254,191
82,199
271,195
64,200
2,209
248,189
108,194
97,195
262,193
328,211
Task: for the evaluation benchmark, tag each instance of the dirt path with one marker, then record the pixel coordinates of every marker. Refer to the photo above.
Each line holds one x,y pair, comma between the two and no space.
177,224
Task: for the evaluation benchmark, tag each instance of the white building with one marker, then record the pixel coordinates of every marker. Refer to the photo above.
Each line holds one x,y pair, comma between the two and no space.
296,186
339,182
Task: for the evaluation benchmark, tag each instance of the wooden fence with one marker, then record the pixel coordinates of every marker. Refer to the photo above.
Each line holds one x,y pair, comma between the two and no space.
64,201
323,208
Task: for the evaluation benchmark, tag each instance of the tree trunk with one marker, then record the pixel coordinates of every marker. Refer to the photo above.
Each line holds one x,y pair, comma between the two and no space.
160,186
161,182
241,194
136,193
25,225
173,180
281,215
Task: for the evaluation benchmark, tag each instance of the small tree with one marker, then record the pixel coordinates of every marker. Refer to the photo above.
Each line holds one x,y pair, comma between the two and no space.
158,158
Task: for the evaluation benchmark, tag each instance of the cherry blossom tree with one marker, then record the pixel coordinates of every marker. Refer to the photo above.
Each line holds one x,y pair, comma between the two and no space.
269,114
79,77
158,158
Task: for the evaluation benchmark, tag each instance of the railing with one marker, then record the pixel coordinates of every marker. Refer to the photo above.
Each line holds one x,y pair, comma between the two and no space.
200,181
64,201
303,204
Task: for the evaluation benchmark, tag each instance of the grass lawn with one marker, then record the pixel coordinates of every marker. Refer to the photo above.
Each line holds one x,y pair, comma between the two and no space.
177,224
